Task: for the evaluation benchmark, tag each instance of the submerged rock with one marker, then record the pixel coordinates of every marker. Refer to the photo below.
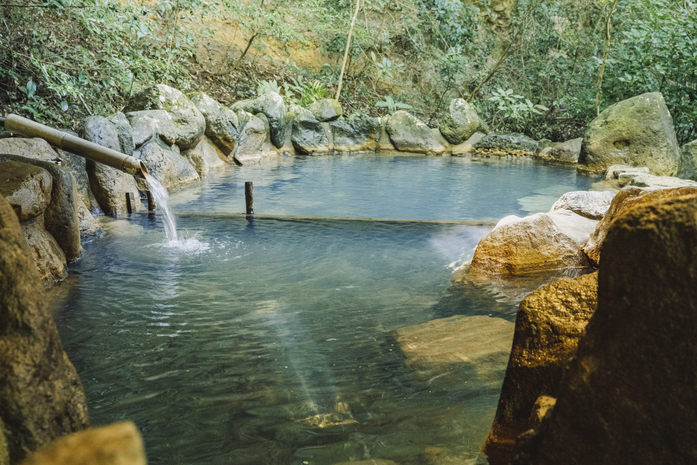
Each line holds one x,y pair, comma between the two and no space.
534,244
628,198
41,395
636,132
548,326
507,144
409,134
188,121
460,122
115,444
629,394
353,135
564,152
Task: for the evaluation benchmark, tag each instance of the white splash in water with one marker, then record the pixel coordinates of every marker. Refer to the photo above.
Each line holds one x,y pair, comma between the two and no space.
190,244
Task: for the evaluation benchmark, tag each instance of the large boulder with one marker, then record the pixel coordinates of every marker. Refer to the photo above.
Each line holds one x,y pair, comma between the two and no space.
688,161
410,134
219,128
188,121
254,143
149,124
205,157
109,185
506,144
354,135
35,148
624,174
566,153
589,204
548,326
26,187
125,132
627,199
270,104
650,181
326,110
637,132
534,244
629,394
461,122
115,444
41,396
309,135
165,163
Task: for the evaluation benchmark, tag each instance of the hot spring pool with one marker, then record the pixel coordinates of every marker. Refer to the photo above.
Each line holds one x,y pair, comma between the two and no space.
269,342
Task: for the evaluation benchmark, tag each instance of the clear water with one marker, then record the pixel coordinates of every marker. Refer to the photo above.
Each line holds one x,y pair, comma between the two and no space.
236,351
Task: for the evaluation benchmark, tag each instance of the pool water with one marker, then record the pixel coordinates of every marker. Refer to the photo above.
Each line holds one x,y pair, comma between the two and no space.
270,341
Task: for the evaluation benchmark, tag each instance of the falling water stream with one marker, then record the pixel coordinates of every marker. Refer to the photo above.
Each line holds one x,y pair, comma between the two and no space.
159,192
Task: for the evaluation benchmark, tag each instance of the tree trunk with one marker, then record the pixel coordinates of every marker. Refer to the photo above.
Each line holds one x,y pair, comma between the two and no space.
348,45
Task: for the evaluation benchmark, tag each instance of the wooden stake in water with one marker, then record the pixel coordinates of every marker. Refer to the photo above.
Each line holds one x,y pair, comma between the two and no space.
249,196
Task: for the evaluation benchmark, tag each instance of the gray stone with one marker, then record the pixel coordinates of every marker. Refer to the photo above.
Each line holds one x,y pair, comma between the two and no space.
688,161
115,444
60,217
26,187
468,146
659,182
460,122
629,394
308,136
219,129
77,166
271,104
589,204
409,134
125,132
636,132
326,110
205,157
165,165
548,326
384,142
563,153
41,395
614,171
188,121
232,117
352,135
35,148
148,124
507,144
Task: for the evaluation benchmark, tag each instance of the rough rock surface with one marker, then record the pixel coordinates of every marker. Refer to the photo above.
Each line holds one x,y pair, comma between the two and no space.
149,124
628,198
353,135
41,396
60,217
254,143
116,444
659,182
165,164
48,257
506,144
219,129
409,134
460,122
444,347
467,146
688,161
565,152
188,120
205,157
308,136
534,244
108,184
26,187
35,148
637,132
589,204
326,110
271,104
125,132
78,167
624,174
629,394
548,326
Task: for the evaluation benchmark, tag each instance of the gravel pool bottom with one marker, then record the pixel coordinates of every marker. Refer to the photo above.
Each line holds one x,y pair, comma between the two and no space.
269,341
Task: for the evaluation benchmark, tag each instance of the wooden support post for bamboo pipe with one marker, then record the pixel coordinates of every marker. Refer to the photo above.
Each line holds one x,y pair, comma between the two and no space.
152,205
249,196
130,202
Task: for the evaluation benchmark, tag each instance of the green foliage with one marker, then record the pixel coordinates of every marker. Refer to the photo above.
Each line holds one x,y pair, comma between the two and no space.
264,87
304,93
392,105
